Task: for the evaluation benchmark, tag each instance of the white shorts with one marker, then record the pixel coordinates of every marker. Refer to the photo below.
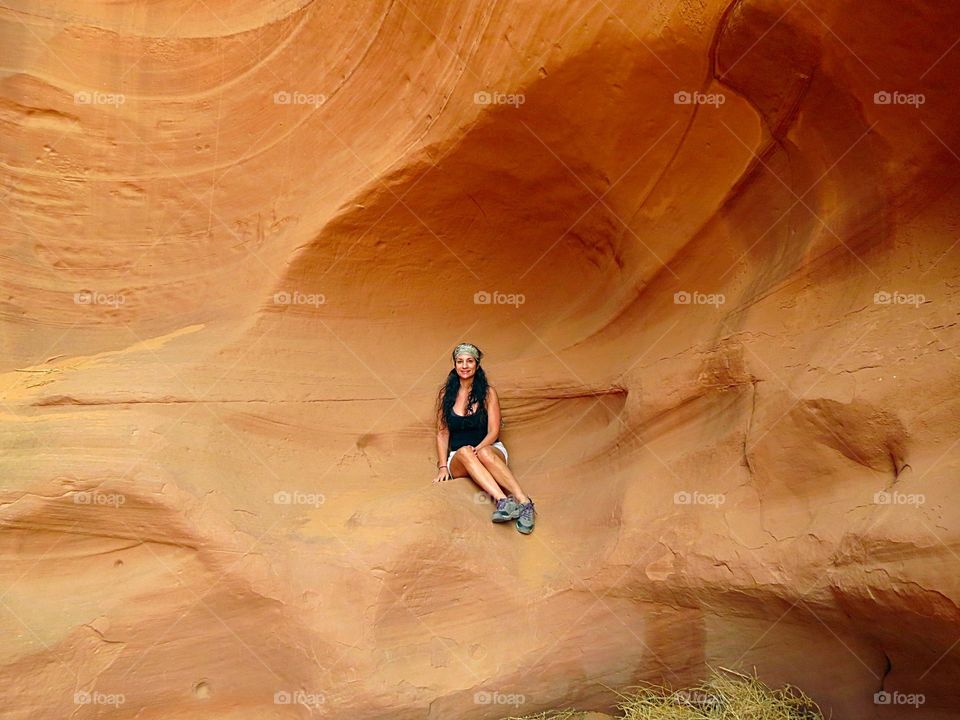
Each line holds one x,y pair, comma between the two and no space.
498,445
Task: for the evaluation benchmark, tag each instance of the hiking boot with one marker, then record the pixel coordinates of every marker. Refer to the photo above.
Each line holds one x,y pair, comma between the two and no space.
526,517
507,509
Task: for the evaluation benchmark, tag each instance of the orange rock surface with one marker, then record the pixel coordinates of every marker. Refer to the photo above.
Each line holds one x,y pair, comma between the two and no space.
709,249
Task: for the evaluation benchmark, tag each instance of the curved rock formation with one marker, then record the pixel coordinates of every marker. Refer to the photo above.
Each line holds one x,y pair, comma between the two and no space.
710,250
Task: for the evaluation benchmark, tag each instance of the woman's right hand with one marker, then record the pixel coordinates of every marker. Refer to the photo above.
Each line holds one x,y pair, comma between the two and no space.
442,475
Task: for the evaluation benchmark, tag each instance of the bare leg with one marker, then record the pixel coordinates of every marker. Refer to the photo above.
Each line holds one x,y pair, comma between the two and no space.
493,461
466,463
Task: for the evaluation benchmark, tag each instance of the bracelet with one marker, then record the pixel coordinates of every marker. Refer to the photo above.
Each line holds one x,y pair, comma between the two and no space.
441,466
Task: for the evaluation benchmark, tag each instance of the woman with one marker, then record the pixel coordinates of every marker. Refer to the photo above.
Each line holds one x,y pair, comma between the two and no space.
468,425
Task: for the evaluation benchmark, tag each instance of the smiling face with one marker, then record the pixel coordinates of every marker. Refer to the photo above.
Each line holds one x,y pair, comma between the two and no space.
466,366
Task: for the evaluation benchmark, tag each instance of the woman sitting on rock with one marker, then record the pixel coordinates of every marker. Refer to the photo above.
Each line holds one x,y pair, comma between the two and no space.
468,425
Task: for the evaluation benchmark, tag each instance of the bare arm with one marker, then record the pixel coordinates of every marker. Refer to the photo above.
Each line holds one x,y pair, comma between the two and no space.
443,443
493,420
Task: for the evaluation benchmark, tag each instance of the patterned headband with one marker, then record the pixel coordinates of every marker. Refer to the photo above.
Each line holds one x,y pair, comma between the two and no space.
469,350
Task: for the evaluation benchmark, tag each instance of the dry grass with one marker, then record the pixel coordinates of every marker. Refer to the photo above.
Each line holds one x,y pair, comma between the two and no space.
553,715
726,695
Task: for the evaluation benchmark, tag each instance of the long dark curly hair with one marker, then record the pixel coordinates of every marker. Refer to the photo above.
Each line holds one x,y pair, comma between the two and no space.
447,396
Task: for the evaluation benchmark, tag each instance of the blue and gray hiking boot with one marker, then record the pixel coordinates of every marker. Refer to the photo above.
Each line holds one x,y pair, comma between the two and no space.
526,519
507,509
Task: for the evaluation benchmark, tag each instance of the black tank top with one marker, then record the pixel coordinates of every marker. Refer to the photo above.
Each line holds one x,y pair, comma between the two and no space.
466,429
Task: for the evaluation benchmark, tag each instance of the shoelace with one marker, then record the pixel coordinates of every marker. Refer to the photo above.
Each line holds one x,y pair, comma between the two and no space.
526,511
